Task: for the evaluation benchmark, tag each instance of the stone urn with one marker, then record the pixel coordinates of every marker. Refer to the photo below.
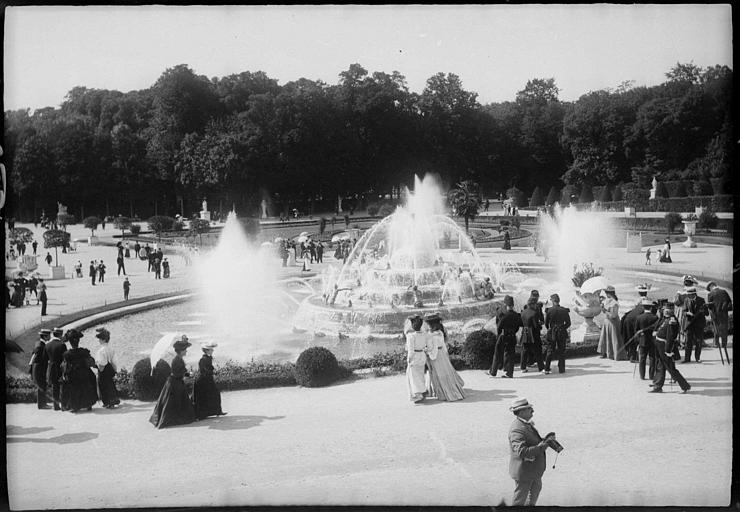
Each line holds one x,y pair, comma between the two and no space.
689,229
588,306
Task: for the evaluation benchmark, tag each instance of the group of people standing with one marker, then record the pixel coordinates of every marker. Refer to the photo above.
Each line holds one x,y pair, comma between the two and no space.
69,372
175,406
18,291
508,322
429,371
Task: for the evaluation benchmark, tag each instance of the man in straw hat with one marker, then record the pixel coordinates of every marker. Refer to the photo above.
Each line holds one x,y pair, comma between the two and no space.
528,459
645,324
55,350
508,322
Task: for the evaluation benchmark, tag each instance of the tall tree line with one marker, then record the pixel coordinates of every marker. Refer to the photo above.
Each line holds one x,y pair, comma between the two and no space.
242,138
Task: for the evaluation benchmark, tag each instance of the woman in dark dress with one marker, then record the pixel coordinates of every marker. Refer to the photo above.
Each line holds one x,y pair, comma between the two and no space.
79,390
107,368
173,405
206,396
507,241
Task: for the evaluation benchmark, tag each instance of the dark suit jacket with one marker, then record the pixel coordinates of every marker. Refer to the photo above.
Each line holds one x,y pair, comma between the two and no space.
55,350
527,459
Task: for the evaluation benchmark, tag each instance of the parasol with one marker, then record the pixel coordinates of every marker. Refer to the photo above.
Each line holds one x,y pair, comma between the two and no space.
344,235
594,284
163,348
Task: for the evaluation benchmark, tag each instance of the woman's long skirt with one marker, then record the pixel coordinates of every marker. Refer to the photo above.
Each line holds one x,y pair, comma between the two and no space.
80,390
206,398
107,388
445,383
173,406
415,380
611,344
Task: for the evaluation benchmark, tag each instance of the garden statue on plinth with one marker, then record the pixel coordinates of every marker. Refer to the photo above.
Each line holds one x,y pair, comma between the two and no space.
264,209
204,213
689,229
654,189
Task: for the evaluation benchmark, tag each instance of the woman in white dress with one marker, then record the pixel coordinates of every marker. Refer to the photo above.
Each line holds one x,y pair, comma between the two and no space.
417,346
444,381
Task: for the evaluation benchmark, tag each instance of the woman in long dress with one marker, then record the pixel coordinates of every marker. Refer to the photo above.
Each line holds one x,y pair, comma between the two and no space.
417,346
611,344
206,397
173,406
105,360
79,389
444,381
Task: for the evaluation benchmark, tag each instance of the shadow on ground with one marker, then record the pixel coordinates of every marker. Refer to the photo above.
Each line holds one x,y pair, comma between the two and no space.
14,430
78,437
232,422
123,408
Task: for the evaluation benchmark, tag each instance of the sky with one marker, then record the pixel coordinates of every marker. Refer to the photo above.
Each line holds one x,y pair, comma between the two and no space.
494,49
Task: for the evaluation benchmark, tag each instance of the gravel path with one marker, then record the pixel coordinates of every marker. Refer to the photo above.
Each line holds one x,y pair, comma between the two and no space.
364,443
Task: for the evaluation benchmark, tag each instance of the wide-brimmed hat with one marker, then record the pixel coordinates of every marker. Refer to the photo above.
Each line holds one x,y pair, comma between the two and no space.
57,330
181,344
647,302
433,317
73,334
534,293
519,403
610,288
209,344
509,300
688,278
417,316
45,332
102,333
691,290
710,284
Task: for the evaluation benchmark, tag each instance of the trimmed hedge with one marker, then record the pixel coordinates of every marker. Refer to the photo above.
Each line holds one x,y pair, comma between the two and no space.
316,367
145,385
477,351
716,203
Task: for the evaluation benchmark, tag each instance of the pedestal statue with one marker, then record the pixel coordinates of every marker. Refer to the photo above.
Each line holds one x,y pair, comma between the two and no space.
689,229
654,189
264,209
204,213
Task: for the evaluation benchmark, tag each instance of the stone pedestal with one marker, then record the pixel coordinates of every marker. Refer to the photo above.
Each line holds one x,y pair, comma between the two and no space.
698,210
634,242
205,215
92,240
56,272
629,210
689,229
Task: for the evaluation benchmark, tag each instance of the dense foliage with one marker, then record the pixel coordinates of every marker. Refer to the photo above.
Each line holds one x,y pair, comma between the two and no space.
145,384
242,137
672,219
477,351
315,367
584,272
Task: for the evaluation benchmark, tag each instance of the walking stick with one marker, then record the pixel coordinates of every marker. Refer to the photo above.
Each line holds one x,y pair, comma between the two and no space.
719,343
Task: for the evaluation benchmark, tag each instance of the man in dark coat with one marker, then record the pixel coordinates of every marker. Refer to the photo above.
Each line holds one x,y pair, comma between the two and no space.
665,338
531,338
693,325
55,350
39,364
92,272
319,252
627,324
119,261
527,456
42,296
645,324
35,245
719,304
508,323
557,322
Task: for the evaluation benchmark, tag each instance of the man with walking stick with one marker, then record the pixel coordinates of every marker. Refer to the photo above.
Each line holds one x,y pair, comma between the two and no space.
719,304
645,323
693,325
666,336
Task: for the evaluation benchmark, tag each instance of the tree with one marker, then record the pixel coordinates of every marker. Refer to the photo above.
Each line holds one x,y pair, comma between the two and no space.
672,219
160,224
605,195
587,194
516,196
536,199
198,227
553,196
617,193
56,238
24,235
122,223
465,200
91,223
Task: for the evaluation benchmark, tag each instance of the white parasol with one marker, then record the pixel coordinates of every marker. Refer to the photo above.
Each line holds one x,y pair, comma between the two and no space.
594,284
344,235
163,348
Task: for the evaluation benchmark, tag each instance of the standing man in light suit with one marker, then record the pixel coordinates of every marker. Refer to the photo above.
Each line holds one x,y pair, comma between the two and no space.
527,463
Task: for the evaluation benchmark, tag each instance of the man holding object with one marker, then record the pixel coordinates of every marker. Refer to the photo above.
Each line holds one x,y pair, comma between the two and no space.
528,460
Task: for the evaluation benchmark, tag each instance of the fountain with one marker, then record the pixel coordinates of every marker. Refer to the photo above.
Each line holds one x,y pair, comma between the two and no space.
576,238
416,260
